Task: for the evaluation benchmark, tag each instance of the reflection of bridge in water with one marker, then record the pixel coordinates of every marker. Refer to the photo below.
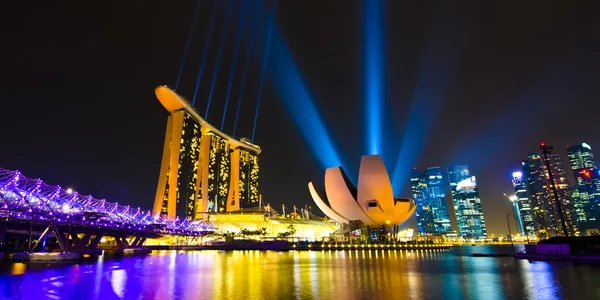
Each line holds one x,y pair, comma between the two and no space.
78,222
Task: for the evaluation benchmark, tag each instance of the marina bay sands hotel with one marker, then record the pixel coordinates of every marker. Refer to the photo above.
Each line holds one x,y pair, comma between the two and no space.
203,170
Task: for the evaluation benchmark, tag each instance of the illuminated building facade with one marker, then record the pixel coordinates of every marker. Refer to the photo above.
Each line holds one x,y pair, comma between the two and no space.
435,199
203,170
372,203
424,211
243,190
545,212
586,192
312,230
522,205
467,204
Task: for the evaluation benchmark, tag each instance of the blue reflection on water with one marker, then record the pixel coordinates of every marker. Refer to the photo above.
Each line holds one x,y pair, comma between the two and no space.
541,282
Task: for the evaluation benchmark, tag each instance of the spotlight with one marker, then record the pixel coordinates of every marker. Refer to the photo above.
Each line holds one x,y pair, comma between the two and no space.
290,87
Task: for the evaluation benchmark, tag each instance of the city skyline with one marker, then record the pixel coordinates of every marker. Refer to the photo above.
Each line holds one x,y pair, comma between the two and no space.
91,113
547,203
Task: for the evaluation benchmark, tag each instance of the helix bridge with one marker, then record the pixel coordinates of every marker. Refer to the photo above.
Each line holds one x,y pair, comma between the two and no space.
31,201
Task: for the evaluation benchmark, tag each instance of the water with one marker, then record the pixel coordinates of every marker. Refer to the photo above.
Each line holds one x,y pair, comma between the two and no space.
373,274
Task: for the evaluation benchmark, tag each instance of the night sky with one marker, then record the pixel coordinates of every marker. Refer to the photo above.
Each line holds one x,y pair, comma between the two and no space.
78,79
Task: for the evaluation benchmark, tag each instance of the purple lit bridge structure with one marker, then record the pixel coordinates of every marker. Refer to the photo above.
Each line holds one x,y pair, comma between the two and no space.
78,222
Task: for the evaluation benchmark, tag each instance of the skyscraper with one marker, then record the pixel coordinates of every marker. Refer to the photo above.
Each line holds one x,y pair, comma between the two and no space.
586,192
547,216
522,205
203,170
467,204
436,199
424,211
243,192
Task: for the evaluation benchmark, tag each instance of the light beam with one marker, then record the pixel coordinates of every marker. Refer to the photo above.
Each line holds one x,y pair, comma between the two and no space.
264,67
374,85
246,60
238,38
289,85
219,55
444,51
187,43
213,16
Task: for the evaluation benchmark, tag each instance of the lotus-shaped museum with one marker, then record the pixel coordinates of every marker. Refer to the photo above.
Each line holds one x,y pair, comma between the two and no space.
372,203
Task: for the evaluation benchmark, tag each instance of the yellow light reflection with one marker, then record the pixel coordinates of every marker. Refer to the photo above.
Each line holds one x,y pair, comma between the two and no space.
18,269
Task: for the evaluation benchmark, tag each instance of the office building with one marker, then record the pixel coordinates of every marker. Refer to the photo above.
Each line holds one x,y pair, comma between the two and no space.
550,205
522,205
424,211
586,191
467,204
434,218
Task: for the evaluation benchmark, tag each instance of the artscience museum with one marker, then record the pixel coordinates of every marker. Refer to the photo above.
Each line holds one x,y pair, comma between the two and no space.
371,204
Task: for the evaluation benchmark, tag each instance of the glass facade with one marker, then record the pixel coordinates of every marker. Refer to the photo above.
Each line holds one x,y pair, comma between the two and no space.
522,205
467,204
436,199
546,216
424,211
586,191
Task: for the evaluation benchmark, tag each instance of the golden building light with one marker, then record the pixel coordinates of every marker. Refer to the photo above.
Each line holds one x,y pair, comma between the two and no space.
203,170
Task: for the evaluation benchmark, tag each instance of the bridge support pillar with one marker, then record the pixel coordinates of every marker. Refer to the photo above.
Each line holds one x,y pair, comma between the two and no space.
63,241
96,240
122,242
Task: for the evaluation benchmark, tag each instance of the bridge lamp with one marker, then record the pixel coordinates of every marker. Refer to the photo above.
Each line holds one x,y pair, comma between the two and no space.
69,191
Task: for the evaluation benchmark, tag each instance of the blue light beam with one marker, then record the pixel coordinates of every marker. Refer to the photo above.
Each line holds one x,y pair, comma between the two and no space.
219,55
374,73
238,38
246,60
289,85
264,68
511,129
445,48
430,90
187,43
213,16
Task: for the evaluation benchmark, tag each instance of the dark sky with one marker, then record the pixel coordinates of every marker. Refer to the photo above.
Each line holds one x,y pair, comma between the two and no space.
78,107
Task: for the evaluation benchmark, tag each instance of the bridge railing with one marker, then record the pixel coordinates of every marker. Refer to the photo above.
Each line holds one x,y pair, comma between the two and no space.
23,198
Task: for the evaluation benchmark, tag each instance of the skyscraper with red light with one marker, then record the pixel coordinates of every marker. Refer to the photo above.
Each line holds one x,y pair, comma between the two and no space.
586,191
548,188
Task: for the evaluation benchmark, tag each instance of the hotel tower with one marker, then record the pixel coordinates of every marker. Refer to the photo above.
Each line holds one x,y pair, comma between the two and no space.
203,170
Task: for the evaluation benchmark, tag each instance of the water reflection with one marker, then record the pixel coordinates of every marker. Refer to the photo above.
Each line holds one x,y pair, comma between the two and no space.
540,282
327,274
